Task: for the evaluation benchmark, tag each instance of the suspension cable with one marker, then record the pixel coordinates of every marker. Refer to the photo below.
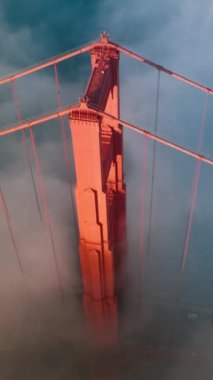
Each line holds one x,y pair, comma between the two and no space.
4,207
87,48
203,122
153,172
193,198
66,152
165,70
194,190
190,217
40,181
143,198
50,62
186,244
46,212
141,130
26,150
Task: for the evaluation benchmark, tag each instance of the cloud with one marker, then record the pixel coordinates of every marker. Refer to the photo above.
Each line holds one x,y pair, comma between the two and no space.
177,35
41,310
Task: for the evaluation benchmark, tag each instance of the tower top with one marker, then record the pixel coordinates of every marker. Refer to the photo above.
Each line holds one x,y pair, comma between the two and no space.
104,37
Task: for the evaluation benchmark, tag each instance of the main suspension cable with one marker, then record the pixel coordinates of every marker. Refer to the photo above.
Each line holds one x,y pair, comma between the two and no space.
140,130
50,62
165,70
26,150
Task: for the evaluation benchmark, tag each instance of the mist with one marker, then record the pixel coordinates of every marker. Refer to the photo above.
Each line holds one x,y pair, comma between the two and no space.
33,320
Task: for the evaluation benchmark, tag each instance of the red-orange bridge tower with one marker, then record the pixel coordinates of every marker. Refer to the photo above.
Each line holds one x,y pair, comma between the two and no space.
100,190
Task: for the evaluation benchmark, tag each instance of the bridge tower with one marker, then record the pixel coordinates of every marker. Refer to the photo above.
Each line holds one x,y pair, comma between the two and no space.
100,190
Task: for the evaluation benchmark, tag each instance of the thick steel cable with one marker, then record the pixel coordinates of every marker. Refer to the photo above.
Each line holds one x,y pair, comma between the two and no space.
153,172
165,70
26,150
46,212
36,120
140,130
143,198
92,45
47,63
152,136
5,210
66,151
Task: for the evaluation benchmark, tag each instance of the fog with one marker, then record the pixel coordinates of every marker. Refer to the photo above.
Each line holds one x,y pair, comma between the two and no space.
39,336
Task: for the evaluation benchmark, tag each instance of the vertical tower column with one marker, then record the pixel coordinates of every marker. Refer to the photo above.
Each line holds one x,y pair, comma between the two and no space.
100,191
